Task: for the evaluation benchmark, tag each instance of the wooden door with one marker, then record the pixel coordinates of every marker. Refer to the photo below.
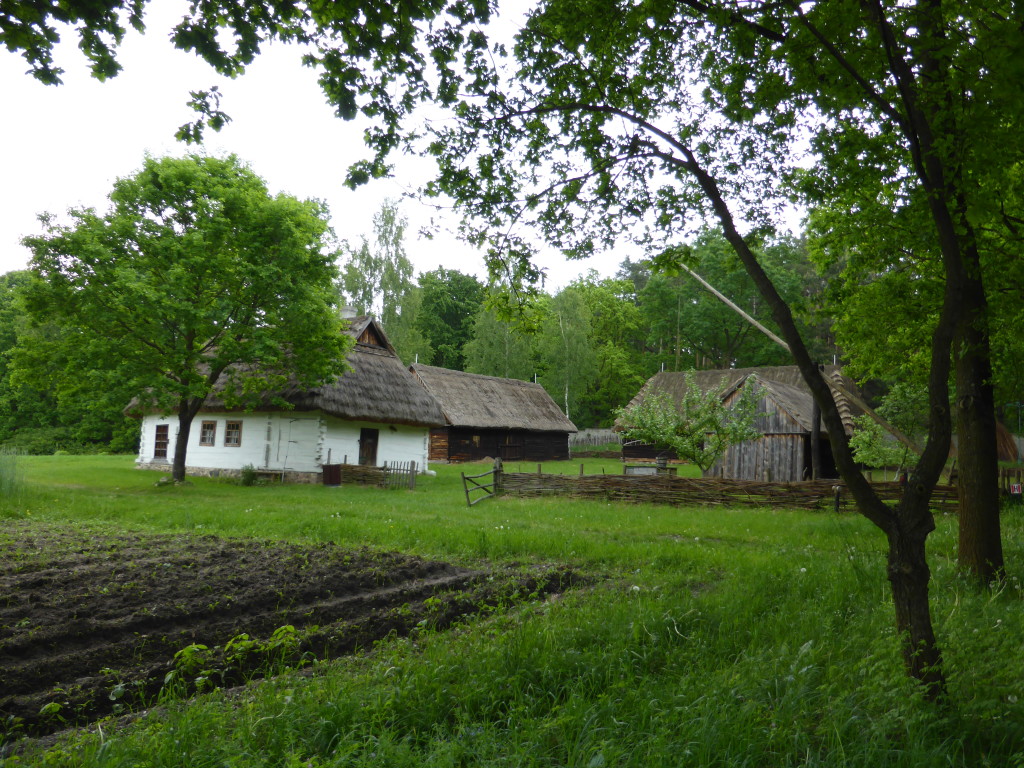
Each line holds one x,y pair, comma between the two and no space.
368,446
161,441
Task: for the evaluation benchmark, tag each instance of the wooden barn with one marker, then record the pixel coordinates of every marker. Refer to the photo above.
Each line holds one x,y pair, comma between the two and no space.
373,414
489,417
786,418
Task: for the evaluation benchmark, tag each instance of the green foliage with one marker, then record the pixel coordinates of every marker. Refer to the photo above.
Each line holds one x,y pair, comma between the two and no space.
370,56
378,281
195,279
690,327
42,410
566,352
699,428
248,476
874,447
904,407
499,348
451,301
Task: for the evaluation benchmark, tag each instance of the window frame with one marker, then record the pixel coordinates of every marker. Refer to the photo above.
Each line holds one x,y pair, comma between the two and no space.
211,439
233,428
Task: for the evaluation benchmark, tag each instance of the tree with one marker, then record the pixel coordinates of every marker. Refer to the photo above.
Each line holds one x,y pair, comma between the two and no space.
378,281
498,348
195,279
702,331
451,301
614,115
616,337
41,410
905,408
566,350
700,428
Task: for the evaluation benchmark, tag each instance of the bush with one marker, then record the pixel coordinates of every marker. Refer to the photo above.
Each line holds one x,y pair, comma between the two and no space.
249,475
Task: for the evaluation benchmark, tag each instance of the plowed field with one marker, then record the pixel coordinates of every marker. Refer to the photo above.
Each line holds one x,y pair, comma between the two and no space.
98,624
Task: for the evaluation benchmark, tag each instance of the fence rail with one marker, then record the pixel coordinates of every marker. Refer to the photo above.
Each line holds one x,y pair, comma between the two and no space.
472,484
667,489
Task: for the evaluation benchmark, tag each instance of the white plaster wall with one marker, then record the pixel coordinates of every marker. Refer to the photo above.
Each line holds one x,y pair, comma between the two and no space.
270,440
289,440
394,443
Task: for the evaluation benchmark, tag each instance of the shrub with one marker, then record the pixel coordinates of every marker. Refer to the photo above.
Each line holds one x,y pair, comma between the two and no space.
249,475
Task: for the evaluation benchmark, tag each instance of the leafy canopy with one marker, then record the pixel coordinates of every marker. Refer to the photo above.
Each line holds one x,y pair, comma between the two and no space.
195,277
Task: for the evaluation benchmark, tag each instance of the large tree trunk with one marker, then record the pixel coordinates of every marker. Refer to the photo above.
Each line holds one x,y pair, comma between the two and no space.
980,546
909,575
908,524
187,411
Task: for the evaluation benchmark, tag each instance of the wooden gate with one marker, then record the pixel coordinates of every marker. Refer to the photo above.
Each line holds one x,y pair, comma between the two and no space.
474,484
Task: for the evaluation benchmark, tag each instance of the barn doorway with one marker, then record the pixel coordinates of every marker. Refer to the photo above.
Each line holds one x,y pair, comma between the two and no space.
368,439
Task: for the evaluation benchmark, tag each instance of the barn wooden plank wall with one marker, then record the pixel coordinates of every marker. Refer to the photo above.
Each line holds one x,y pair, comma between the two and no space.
457,444
715,491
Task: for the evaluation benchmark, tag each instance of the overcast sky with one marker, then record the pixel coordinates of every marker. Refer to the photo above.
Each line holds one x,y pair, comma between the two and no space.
65,145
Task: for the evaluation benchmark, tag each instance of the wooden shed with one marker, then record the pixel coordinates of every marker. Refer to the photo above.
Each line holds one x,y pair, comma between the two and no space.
786,416
490,417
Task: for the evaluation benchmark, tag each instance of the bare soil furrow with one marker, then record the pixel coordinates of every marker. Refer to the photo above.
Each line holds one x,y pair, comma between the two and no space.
91,624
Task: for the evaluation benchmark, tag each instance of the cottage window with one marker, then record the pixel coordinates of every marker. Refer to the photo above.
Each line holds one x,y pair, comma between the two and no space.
233,434
208,433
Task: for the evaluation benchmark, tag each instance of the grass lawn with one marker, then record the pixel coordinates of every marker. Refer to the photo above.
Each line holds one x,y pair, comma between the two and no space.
712,636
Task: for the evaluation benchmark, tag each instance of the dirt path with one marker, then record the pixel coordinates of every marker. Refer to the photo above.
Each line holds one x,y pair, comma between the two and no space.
92,625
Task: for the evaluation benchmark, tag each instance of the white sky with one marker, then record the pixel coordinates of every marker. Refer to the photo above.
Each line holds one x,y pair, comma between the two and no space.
63,146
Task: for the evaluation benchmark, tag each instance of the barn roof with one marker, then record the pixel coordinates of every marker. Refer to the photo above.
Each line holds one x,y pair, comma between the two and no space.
378,388
783,383
488,402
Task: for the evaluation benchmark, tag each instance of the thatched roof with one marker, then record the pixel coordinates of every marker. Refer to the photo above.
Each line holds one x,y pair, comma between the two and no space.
487,402
377,389
783,383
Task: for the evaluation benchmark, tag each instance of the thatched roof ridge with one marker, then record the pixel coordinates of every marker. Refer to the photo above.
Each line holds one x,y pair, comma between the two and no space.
784,383
378,388
489,402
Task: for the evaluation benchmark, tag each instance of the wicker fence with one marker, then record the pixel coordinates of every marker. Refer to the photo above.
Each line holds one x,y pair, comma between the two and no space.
667,489
399,474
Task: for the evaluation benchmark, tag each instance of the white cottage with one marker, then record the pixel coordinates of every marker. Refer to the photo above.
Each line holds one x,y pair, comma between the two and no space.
376,413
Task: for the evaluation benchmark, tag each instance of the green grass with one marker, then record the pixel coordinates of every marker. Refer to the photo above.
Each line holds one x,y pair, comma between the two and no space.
721,637
10,475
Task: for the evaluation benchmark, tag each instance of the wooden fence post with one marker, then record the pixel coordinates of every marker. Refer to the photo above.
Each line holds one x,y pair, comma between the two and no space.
498,472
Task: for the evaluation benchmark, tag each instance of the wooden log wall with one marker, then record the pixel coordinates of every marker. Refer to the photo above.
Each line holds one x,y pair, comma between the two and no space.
666,489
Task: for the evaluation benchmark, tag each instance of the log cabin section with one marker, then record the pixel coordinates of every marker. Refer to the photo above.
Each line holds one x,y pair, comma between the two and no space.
490,417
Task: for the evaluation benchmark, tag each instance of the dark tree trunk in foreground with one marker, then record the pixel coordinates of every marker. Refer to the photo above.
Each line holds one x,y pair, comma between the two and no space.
908,524
909,575
187,411
980,550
